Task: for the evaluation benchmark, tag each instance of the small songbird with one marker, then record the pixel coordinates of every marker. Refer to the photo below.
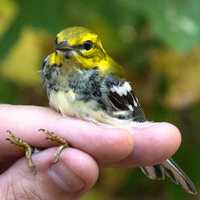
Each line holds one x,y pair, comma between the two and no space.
83,81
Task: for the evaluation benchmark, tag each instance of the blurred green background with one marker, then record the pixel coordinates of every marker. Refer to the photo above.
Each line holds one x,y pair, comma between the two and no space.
157,40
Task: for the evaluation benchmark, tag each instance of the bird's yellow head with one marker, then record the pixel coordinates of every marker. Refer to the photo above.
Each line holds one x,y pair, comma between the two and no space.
84,48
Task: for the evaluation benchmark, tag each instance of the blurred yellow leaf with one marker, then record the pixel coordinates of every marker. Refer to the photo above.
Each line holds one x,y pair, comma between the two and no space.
24,61
8,11
183,72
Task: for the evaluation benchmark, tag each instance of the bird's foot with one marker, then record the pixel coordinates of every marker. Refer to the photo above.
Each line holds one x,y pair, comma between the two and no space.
24,147
59,141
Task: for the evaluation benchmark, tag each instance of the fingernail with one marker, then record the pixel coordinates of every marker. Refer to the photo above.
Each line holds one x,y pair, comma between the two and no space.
65,178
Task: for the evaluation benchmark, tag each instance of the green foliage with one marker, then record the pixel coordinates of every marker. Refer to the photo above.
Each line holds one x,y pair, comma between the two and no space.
9,92
176,23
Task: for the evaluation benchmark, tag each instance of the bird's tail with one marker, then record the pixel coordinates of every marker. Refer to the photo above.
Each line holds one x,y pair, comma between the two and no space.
170,169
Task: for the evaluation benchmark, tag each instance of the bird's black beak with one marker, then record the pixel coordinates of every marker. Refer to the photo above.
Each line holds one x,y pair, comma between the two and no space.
65,48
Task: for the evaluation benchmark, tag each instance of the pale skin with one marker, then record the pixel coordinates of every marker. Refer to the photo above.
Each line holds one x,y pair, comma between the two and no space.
92,146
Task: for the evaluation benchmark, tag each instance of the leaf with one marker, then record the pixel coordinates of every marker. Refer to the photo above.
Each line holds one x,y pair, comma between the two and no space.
176,23
24,61
182,72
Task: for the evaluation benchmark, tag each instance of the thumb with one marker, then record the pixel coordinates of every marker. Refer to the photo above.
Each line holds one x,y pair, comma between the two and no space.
70,178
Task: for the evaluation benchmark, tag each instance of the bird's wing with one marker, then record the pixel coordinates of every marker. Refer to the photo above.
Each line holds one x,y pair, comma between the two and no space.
122,100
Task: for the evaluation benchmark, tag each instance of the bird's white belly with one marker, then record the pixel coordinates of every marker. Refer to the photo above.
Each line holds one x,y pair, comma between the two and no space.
67,105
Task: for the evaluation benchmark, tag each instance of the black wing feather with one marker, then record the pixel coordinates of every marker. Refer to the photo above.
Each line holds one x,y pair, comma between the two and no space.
122,98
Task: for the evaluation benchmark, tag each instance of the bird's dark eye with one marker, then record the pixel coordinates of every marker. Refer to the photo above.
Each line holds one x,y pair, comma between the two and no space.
87,45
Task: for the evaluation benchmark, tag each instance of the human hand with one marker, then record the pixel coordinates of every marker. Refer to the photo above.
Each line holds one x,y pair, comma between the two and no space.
92,146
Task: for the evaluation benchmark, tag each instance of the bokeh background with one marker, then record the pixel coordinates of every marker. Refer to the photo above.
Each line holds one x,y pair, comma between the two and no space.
158,41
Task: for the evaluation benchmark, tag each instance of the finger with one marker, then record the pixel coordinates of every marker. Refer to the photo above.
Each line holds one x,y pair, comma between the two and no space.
67,179
153,144
104,143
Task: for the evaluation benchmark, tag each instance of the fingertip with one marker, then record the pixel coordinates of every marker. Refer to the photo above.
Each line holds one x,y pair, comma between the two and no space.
76,171
162,141
82,164
171,138
153,144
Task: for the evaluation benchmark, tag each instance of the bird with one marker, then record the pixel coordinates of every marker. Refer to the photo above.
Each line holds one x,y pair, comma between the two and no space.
82,80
